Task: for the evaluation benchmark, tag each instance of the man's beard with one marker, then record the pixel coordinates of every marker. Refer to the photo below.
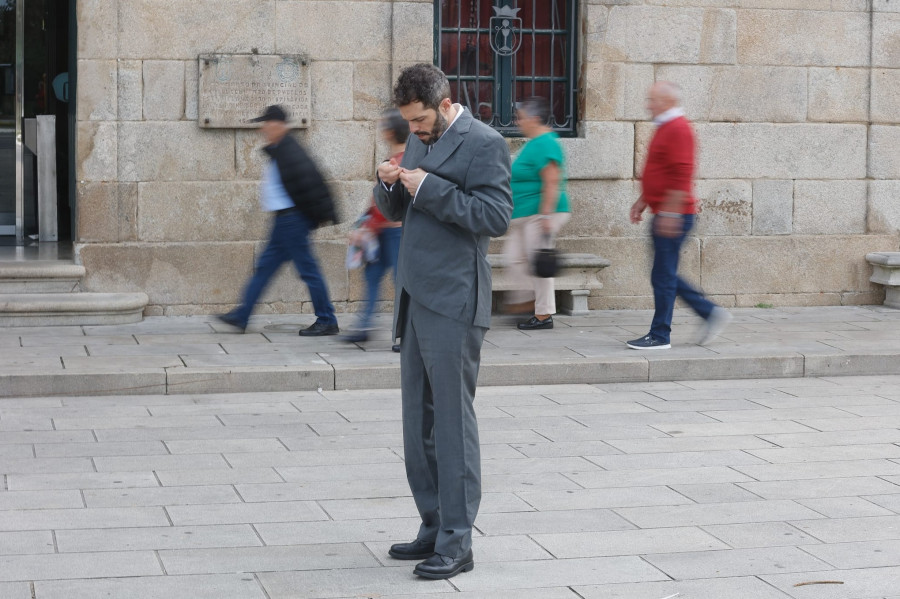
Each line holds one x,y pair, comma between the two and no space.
440,125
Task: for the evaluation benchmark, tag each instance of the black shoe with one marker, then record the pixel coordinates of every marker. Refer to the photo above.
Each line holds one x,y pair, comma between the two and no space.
395,348
320,329
439,567
355,337
415,550
535,323
648,342
232,320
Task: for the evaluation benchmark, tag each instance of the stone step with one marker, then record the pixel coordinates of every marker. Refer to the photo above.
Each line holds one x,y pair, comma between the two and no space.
46,309
39,276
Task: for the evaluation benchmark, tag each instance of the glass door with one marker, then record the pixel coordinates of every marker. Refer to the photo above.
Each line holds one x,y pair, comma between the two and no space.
10,125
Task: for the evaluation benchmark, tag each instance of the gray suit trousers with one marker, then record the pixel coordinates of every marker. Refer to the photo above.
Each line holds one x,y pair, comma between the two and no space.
439,361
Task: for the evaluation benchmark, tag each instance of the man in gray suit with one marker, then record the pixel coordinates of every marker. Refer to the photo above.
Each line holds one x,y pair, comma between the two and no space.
452,193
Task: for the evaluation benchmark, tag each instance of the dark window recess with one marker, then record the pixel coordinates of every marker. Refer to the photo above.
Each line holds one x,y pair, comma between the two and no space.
497,52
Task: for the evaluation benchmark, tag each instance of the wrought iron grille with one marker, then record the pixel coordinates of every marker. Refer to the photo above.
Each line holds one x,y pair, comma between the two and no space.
497,52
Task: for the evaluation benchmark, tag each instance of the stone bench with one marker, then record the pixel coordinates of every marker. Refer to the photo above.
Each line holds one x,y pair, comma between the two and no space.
886,271
578,275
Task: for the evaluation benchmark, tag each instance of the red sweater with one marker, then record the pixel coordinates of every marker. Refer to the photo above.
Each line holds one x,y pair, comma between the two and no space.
670,165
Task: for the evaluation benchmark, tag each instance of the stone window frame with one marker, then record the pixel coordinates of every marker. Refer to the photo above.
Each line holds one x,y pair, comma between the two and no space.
489,84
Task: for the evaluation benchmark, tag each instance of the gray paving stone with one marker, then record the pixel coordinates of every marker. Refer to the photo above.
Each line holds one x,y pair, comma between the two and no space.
33,500
155,538
16,451
197,433
565,449
891,502
233,586
800,471
488,550
865,554
858,584
689,444
268,559
196,461
349,442
845,507
224,446
596,433
61,519
543,573
715,493
542,593
15,590
777,414
662,476
722,513
45,465
160,496
78,565
862,437
325,457
119,363
732,428
846,530
786,364
130,423
249,379
547,522
627,542
91,450
177,349
333,584
684,459
872,451
735,562
601,498
544,481
760,534
747,587
375,507
245,513
346,472
280,418
349,531
87,480
350,489
283,407
26,543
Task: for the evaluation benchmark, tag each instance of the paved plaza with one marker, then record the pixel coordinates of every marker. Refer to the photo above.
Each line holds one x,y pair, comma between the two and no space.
738,489
735,487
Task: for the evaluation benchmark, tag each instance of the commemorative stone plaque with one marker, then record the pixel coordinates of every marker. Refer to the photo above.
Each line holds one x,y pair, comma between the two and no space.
234,88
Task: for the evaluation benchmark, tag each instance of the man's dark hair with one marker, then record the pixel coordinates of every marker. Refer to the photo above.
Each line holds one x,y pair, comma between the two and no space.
423,83
536,106
393,121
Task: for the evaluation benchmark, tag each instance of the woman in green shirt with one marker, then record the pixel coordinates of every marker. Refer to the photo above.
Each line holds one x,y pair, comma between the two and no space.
540,209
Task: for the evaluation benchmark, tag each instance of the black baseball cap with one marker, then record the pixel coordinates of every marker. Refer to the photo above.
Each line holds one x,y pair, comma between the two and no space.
272,113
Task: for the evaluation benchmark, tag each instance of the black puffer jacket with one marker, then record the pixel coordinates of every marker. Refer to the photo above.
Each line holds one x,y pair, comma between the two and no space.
303,181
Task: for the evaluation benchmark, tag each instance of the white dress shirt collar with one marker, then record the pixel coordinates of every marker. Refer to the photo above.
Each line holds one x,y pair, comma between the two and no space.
669,115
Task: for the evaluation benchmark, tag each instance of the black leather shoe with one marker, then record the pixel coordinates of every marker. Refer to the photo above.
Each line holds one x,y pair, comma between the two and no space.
232,320
320,329
534,324
355,337
415,550
439,567
395,348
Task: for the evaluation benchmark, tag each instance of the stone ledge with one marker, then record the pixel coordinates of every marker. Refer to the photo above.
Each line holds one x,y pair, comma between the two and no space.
886,271
41,309
39,276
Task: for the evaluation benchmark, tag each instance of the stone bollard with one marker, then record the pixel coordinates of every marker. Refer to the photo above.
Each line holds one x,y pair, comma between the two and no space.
886,271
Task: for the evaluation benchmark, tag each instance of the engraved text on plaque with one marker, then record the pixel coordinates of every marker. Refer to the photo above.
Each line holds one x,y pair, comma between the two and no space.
234,88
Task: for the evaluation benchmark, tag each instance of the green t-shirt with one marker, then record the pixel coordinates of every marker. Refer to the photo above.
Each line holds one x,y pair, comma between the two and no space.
526,175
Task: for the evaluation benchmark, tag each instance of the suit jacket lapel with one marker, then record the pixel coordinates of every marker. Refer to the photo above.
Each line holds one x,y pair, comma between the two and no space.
447,144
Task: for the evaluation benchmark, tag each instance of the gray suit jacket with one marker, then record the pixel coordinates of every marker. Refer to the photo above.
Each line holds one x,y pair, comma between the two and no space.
463,202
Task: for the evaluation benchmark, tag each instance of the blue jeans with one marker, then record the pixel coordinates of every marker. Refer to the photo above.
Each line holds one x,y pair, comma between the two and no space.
388,249
667,284
289,241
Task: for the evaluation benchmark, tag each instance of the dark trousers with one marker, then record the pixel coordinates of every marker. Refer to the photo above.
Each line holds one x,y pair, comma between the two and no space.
667,285
388,249
289,240
439,363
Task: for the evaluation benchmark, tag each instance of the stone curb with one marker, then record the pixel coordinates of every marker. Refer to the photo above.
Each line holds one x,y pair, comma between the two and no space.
639,368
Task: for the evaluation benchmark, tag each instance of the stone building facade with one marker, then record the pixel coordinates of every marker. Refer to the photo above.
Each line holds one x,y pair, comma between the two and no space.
796,105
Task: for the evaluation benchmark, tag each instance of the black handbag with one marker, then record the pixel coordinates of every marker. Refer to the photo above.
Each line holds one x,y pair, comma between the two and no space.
546,261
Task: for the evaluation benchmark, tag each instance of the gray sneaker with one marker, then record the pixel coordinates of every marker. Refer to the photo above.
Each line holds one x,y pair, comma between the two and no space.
715,324
648,342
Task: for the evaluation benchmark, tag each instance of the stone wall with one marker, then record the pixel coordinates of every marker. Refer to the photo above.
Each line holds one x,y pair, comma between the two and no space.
796,104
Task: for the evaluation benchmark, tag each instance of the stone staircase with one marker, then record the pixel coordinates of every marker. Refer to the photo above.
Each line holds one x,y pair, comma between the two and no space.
47,292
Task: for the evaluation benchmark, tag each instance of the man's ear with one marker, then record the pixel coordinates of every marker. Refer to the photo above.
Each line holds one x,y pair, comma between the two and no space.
445,105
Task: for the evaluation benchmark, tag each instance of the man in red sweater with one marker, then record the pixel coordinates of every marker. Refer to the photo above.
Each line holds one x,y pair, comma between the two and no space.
666,189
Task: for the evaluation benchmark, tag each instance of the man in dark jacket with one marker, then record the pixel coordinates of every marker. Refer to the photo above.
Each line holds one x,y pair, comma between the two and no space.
294,190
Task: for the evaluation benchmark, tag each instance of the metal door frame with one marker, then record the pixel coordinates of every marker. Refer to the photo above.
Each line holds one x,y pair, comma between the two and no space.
20,115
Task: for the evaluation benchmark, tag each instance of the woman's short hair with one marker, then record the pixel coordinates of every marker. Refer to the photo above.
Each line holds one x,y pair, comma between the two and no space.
393,121
536,106
423,83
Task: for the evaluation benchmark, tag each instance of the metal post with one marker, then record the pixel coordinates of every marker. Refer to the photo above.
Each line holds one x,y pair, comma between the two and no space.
46,158
19,115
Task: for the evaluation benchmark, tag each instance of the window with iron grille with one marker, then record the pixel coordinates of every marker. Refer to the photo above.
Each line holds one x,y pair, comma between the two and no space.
497,52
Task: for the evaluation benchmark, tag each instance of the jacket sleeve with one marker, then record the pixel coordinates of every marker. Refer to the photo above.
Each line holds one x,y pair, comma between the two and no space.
392,203
485,205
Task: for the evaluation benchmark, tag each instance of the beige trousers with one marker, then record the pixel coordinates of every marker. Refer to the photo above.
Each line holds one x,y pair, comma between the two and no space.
526,235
